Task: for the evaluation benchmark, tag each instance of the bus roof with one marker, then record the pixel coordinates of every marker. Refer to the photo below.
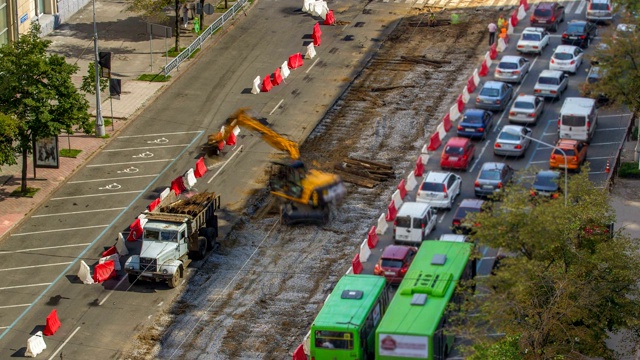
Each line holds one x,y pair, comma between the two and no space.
423,295
350,311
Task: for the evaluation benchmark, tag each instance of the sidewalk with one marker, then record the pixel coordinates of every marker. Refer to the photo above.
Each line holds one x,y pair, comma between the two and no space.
124,34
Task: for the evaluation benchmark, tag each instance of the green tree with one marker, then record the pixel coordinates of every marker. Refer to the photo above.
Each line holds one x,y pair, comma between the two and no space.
153,11
8,132
567,281
36,89
89,81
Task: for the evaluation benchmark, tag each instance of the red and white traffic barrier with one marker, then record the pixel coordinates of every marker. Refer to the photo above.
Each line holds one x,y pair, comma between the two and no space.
465,95
365,251
320,9
419,169
307,6
330,19
411,181
165,193
402,188
277,78
392,211
284,69
255,89
484,69
372,237
487,58
349,271
525,4
189,177
397,199
434,142
446,122
35,345
356,264
52,323
84,273
454,113
295,61
105,271
266,84
311,52
382,226
493,51
502,45
522,12
440,128
476,78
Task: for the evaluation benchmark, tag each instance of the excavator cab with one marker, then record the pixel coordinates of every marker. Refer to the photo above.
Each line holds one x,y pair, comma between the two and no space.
287,177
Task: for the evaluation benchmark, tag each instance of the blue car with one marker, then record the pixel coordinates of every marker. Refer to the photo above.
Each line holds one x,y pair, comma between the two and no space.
475,123
494,95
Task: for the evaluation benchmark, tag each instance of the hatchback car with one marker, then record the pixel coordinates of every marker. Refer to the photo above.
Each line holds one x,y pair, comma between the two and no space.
566,58
459,225
526,109
551,84
575,151
533,40
511,69
494,95
513,140
475,123
599,10
395,262
594,75
579,33
493,176
547,15
457,154
439,189
546,184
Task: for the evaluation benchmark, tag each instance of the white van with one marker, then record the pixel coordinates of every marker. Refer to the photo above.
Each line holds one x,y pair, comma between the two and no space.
414,222
578,119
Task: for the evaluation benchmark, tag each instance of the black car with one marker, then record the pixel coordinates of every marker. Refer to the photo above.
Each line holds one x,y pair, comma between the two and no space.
546,184
579,33
467,206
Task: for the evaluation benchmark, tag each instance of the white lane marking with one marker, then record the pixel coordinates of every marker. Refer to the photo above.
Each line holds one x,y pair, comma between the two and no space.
569,7
600,157
538,162
479,156
64,343
441,218
131,162
35,266
92,195
175,133
13,306
601,144
276,107
23,286
109,179
75,212
146,147
42,248
549,134
225,164
311,67
58,230
597,172
618,115
583,3
111,291
612,129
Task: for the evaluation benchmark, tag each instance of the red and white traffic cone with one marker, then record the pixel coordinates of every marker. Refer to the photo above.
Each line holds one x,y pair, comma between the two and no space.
608,168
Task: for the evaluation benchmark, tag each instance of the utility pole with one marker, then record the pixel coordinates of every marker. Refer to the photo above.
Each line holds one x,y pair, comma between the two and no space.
100,131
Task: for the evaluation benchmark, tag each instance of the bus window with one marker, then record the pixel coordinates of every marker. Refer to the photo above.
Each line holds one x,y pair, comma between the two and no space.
334,340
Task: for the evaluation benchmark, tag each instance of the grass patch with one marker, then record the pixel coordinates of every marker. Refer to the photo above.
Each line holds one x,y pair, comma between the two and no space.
69,153
31,192
173,53
107,122
154,77
105,136
220,7
629,170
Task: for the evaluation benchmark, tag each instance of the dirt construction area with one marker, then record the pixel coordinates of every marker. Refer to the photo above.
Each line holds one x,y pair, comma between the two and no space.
257,296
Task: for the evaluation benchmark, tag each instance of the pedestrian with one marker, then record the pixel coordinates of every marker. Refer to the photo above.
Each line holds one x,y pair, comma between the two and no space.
185,15
501,21
492,33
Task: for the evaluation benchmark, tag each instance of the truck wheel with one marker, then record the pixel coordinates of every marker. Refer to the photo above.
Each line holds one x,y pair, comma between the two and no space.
202,249
175,279
132,278
211,234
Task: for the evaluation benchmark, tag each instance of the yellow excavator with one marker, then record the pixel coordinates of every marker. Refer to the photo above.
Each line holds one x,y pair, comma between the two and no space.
307,194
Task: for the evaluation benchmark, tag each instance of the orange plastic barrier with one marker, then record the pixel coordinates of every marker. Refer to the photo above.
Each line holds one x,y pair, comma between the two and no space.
295,61
154,204
110,251
135,231
53,323
372,238
471,85
434,142
104,271
419,170
460,103
391,211
330,19
514,18
277,78
493,51
525,4
201,168
299,354
177,185
356,264
484,69
316,39
402,187
446,122
316,29
231,140
266,84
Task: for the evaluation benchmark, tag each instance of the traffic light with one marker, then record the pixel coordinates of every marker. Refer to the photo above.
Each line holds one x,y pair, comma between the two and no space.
104,60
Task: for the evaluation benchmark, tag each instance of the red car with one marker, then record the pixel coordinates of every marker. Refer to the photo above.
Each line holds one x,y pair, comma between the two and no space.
394,262
457,153
548,15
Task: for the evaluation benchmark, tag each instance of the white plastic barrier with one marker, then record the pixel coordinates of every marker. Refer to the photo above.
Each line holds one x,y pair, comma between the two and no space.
465,95
454,114
476,77
487,57
397,199
84,274
35,345
284,70
320,8
424,155
306,343
411,181
236,130
115,258
256,85
120,246
510,29
365,252
350,271
522,13
189,179
164,193
308,6
311,51
382,226
501,45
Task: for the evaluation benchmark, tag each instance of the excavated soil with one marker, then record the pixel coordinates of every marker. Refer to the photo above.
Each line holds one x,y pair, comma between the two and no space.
264,310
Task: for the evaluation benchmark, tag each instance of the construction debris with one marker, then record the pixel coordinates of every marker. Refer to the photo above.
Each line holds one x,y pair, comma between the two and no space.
364,172
191,206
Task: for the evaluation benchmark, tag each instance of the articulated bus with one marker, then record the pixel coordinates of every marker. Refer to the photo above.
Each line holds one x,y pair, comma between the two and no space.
345,326
413,326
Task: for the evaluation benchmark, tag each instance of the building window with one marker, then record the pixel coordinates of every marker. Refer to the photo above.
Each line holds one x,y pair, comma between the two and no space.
4,29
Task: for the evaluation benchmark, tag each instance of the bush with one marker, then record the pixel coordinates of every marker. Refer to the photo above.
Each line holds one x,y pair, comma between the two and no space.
629,170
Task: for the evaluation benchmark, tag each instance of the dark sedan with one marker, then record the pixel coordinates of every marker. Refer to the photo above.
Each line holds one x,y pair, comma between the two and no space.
475,123
546,184
494,95
579,33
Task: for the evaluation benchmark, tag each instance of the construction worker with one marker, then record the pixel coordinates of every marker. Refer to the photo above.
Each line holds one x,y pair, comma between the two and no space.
502,22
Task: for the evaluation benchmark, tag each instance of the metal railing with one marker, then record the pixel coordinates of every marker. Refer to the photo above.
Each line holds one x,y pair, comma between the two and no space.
613,172
197,43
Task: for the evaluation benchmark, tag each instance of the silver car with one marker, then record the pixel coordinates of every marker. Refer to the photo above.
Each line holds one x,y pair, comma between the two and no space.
492,178
512,141
551,84
599,10
512,69
526,109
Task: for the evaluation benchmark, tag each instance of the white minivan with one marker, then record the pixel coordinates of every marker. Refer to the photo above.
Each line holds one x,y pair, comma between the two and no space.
578,119
414,222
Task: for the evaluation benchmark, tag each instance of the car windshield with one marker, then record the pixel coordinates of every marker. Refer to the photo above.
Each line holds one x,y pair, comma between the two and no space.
472,120
391,263
432,186
569,152
599,6
403,221
563,56
490,174
570,120
523,105
508,65
490,92
542,12
546,181
548,80
463,211
454,151
508,136
575,28
531,37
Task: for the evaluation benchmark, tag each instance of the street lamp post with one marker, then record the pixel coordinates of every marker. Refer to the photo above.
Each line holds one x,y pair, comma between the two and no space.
100,131
566,177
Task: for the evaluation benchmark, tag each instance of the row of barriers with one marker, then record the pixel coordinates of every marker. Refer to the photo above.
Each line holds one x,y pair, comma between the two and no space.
434,142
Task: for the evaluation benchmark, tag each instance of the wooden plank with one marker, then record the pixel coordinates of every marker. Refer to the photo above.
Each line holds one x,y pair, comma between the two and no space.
360,172
357,180
373,163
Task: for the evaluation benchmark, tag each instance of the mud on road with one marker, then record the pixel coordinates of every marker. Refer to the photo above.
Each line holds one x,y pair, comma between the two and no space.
261,309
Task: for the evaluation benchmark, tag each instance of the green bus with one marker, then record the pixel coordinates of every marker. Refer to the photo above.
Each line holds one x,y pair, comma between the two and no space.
345,326
413,326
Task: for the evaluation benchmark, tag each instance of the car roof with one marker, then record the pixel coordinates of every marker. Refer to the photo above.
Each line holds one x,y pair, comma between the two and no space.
457,141
533,30
581,22
526,97
474,112
600,1
510,58
516,128
548,173
435,176
471,203
569,143
550,73
493,165
565,49
493,84
545,5
396,252
410,208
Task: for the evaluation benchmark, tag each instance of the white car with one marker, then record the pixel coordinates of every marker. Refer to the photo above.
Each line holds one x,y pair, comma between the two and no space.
551,84
439,189
513,140
526,109
512,69
567,58
533,40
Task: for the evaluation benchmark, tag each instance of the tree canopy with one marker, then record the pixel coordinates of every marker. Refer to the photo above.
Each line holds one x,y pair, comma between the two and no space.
154,11
566,281
36,90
